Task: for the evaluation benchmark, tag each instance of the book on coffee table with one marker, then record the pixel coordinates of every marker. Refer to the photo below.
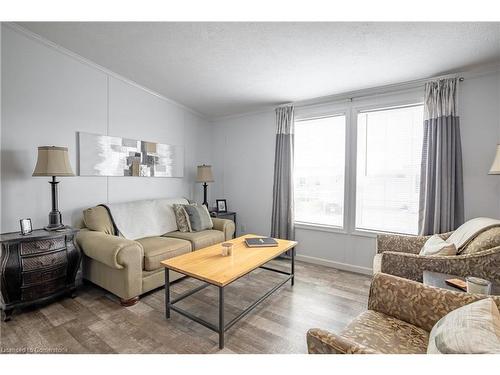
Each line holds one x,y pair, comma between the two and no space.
261,242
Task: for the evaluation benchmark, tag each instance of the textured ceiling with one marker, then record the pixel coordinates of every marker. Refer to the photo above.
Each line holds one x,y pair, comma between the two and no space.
220,69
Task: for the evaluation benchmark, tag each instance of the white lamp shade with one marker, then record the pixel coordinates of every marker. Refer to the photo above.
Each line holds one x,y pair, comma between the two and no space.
53,161
495,167
204,173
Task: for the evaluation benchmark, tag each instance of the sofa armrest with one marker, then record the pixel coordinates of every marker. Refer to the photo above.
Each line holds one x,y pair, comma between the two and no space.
483,264
403,243
113,251
415,303
226,226
323,342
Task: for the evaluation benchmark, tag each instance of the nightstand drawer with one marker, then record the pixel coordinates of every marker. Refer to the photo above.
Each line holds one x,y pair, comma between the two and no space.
41,246
37,277
43,261
42,290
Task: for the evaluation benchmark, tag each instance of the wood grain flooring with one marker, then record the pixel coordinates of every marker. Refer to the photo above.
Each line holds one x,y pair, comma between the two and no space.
95,322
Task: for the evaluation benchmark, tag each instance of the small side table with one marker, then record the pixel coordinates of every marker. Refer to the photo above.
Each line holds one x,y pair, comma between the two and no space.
231,215
37,267
439,280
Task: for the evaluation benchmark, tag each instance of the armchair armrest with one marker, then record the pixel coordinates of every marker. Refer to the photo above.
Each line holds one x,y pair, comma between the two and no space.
415,303
403,243
224,225
113,251
412,266
323,342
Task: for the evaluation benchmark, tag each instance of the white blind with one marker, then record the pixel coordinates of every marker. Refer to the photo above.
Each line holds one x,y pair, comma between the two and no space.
389,148
319,165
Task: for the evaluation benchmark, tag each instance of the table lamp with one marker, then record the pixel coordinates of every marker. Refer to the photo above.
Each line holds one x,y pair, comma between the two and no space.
204,175
54,162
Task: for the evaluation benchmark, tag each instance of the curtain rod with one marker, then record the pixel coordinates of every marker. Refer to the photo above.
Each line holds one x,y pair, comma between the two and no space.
372,91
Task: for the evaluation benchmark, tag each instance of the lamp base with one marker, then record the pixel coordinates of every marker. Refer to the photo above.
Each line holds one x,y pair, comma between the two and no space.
55,221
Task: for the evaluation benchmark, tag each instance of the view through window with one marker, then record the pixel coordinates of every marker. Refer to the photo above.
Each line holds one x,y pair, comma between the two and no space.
389,148
319,166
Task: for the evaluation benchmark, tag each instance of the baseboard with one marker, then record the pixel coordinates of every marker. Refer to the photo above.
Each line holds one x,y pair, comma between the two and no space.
338,265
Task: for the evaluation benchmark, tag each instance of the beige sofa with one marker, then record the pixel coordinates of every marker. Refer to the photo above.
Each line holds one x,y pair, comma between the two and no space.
130,267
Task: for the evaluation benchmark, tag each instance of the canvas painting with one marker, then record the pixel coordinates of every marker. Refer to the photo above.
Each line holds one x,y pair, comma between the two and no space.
102,155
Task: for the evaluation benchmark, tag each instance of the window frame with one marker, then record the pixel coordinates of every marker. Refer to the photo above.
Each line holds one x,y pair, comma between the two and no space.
350,109
319,114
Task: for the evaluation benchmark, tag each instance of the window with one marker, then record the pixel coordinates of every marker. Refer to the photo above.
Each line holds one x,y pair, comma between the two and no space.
319,166
389,148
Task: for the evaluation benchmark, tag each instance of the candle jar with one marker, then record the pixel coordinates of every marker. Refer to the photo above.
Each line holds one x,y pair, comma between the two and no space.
227,249
477,285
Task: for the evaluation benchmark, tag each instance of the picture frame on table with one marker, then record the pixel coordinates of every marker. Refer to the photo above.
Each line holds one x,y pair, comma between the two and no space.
221,205
26,226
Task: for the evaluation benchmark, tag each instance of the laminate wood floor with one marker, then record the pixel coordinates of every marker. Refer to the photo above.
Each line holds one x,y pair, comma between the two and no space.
95,322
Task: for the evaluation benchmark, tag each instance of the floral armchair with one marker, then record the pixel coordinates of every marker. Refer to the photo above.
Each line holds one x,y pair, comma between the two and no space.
400,316
399,255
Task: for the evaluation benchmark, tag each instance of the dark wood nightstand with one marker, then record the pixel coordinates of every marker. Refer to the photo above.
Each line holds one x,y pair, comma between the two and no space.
37,267
231,215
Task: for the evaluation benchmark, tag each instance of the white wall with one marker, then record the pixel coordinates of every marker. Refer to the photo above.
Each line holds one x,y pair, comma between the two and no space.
47,97
244,159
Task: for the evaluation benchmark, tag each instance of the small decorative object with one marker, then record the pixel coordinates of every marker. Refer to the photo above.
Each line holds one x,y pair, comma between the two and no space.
495,166
102,155
53,161
227,249
204,175
221,205
477,285
26,227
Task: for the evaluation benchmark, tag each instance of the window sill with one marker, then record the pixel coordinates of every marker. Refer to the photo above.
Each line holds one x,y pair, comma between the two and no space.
374,233
321,228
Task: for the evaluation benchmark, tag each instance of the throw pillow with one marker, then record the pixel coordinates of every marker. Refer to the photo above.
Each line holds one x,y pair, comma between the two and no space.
435,245
199,217
470,329
488,239
182,218
97,219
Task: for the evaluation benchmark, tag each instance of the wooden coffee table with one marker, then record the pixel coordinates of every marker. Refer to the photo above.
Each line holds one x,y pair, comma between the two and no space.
210,266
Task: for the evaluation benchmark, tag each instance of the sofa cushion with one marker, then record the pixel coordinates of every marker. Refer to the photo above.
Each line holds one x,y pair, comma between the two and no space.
199,217
386,334
199,240
97,219
483,241
157,249
437,246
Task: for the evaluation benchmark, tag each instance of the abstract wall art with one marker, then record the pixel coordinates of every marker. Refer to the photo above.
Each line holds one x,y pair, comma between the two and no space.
102,155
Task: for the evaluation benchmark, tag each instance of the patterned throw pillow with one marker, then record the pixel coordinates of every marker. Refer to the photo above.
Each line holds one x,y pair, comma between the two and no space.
182,218
470,329
488,239
199,217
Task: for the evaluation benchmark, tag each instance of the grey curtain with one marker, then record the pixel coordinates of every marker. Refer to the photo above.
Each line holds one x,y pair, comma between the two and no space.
441,206
282,225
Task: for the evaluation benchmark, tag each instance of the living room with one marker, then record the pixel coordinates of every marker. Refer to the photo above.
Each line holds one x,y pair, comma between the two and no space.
250,187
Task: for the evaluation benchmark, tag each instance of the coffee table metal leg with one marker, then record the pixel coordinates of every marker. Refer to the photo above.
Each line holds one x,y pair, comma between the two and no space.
167,294
221,318
293,266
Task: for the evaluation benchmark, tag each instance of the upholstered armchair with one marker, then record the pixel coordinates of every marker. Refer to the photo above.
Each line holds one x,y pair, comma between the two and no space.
399,255
400,316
